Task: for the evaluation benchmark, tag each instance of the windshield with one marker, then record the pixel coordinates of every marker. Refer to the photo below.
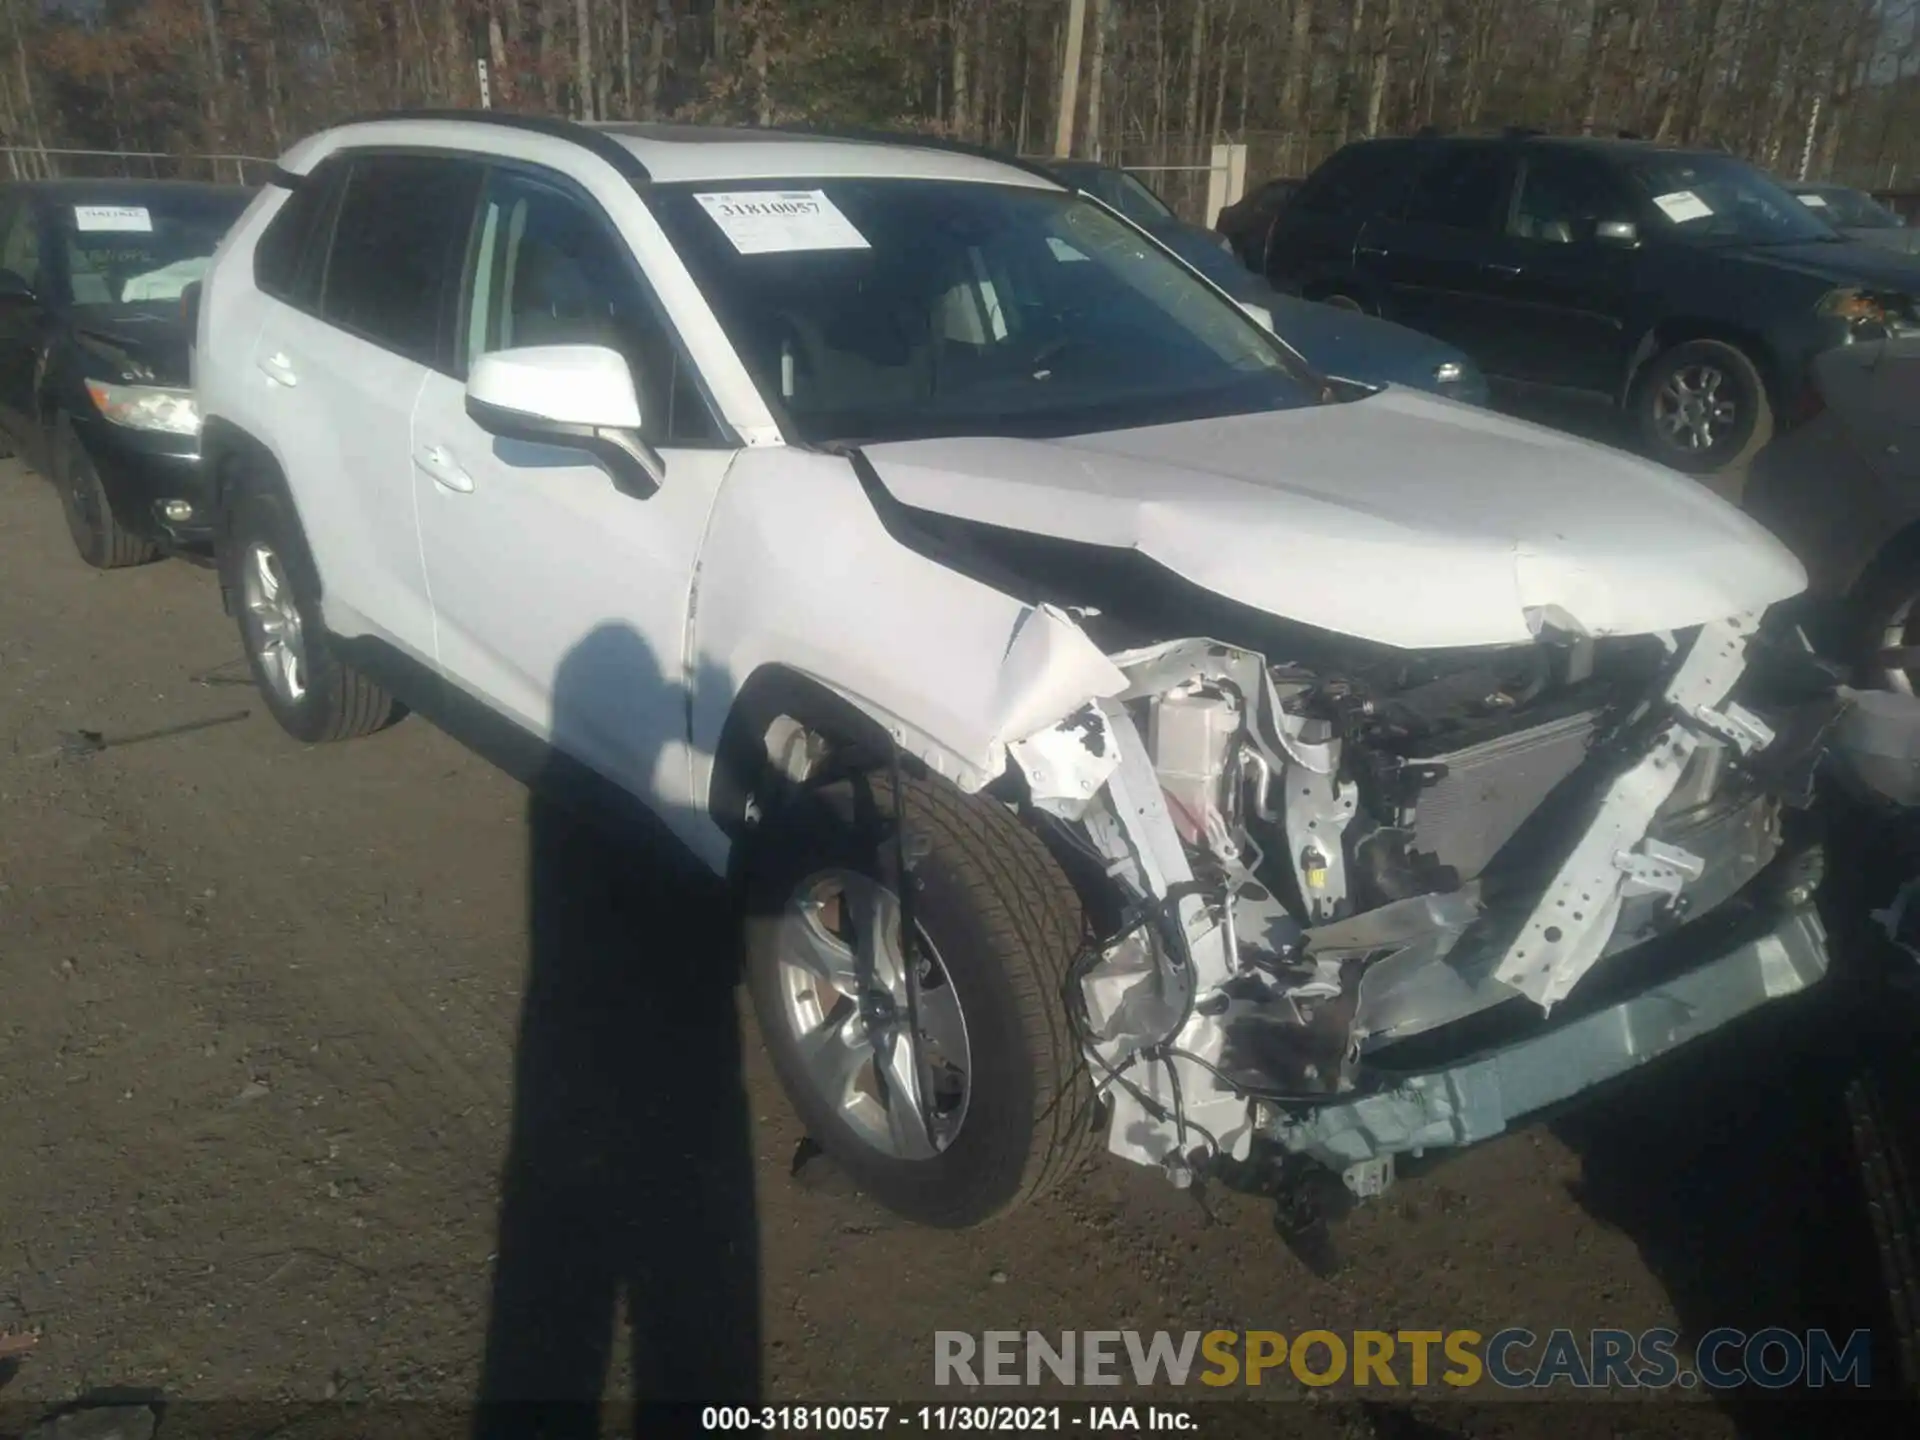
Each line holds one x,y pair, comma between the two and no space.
147,250
1850,209
892,309
1725,201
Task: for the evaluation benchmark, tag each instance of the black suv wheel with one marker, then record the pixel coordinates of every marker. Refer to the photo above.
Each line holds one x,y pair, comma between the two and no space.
1702,407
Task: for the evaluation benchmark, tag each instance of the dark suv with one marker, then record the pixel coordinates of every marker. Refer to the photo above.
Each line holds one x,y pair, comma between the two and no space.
1685,286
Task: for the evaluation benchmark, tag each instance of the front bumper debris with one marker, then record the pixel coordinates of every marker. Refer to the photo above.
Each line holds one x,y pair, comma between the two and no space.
1481,1096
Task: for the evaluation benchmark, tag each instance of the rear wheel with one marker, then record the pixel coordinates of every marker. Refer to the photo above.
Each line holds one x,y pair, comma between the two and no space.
942,1076
311,692
1341,300
1702,407
98,538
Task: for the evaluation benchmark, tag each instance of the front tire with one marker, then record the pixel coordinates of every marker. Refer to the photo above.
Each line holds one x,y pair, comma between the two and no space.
985,1104
1702,408
312,693
98,538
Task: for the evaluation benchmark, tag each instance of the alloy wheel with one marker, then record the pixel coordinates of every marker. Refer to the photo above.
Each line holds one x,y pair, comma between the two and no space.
893,1063
279,644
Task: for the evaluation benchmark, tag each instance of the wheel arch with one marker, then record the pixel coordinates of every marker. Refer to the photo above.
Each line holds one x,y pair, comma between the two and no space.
1678,330
754,763
239,462
1898,555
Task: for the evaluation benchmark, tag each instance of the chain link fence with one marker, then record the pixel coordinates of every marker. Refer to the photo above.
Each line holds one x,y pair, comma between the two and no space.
35,162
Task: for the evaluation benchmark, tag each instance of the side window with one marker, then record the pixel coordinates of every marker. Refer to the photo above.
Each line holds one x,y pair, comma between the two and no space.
1359,180
20,243
548,269
291,254
1562,198
398,242
1463,189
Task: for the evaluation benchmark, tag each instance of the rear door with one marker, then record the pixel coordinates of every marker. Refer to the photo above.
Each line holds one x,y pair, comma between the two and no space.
345,359
1430,260
1310,246
1560,297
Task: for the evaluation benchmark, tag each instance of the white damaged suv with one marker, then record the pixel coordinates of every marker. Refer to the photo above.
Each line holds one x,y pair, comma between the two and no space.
1118,732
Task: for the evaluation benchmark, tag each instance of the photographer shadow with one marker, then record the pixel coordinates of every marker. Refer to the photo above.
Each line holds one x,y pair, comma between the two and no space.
628,1189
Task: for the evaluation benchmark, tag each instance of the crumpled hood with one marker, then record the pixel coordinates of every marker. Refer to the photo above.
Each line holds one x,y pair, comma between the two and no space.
1401,518
144,344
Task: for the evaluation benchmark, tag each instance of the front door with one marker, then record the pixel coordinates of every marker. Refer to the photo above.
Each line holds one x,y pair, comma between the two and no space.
558,600
1561,296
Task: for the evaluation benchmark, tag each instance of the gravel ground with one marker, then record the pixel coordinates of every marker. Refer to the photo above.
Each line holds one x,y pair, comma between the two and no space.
350,1073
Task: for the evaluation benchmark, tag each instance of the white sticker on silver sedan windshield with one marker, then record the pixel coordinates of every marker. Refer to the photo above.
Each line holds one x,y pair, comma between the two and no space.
122,218
1817,202
762,222
1681,206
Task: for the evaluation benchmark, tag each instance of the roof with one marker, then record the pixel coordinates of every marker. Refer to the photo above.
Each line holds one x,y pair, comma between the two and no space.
674,153
670,154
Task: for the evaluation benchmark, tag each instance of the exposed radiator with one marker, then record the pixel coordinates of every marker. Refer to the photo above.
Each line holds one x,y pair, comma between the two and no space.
1490,789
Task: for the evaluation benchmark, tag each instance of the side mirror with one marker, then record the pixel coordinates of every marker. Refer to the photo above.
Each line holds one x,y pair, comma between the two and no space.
1623,233
580,396
1263,317
14,286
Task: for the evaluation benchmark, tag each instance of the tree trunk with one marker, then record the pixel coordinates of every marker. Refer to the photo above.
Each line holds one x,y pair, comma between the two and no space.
663,21
1299,72
1096,78
1196,40
1222,45
1599,43
583,58
1382,64
763,95
1069,103
959,33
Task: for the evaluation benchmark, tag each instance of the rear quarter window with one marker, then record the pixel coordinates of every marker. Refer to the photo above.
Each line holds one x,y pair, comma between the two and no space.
290,254
1360,180
399,245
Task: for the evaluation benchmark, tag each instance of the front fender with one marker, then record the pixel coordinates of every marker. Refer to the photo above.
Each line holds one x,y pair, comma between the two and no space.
799,572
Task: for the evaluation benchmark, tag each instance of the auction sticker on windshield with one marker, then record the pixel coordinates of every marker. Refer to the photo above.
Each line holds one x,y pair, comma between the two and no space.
1814,202
112,217
761,222
1683,205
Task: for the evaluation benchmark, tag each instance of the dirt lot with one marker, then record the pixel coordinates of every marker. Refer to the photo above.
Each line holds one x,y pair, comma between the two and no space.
350,1072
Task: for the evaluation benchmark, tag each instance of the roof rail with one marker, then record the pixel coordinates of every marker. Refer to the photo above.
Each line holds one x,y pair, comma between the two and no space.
599,142
909,137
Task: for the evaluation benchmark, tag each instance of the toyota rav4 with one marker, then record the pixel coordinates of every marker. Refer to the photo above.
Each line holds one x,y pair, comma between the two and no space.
1116,730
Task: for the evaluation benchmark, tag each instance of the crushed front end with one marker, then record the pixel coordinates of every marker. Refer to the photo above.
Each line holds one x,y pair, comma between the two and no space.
1366,901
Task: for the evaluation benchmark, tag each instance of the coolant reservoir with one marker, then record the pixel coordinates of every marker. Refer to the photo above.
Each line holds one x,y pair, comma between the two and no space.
1190,735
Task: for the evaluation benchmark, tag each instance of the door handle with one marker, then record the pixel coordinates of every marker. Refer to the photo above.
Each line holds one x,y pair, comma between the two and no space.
444,469
1496,267
279,369
1372,252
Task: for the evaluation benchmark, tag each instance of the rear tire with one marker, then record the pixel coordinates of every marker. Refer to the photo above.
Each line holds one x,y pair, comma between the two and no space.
314,695
1702,408
98,538
997,925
